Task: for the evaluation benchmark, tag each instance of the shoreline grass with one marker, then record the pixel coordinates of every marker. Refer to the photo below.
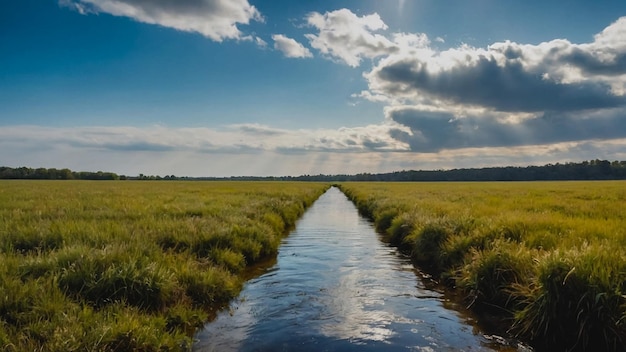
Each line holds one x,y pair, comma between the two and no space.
548,258
120,266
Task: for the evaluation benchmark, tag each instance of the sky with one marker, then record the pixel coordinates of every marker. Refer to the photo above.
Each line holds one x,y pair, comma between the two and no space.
285,87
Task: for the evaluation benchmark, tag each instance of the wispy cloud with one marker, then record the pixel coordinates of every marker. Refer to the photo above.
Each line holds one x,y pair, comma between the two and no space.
263,151
242,137
215,19
243,149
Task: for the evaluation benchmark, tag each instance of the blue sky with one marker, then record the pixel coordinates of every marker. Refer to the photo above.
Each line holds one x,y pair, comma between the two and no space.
276,87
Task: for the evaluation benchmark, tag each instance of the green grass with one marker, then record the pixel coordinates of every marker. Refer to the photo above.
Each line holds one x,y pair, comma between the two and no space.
118,266
548,257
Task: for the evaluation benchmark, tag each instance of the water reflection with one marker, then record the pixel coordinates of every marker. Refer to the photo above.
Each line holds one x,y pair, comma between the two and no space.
337,287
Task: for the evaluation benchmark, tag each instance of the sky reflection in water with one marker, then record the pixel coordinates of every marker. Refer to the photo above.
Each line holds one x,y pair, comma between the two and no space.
337,287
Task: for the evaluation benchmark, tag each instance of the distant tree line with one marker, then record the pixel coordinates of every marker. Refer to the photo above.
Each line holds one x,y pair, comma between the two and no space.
26,173
157,178
586,170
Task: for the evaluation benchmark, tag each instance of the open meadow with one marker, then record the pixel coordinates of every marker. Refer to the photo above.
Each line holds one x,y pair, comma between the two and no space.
131,265
549,258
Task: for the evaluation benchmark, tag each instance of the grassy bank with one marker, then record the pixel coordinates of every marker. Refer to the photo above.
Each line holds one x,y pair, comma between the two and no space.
549,258
118,266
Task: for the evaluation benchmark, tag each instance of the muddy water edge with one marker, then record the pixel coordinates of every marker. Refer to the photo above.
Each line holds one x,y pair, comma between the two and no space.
336,286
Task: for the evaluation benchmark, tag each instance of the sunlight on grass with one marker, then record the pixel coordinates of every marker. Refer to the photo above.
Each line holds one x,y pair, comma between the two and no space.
118,266
549,257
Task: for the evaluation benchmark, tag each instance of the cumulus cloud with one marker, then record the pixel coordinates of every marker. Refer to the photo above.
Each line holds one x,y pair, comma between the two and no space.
214,19
507,94
345,36
290,47
348,38
485,82
606,54
554,76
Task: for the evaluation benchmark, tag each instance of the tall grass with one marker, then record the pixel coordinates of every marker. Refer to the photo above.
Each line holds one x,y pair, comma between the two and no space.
548,257
118,266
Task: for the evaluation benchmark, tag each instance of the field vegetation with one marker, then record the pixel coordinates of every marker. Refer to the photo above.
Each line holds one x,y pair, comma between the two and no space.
121,265
548,258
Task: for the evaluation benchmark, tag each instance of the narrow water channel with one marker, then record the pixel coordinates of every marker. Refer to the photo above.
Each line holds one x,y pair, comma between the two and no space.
337,287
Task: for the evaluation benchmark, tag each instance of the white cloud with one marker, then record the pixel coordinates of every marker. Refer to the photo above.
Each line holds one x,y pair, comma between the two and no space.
259,150
214,19
344,36
507,76
260,42
244,149
240,137
505,95
290,47
347,37
505,104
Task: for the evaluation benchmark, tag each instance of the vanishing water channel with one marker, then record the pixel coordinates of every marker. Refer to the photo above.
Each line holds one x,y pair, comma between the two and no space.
337,287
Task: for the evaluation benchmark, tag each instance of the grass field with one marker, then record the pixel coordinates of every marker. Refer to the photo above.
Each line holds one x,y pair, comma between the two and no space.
547,257
121,265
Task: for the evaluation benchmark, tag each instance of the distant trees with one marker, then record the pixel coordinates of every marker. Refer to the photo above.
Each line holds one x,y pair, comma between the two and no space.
586,170
158,178
25,173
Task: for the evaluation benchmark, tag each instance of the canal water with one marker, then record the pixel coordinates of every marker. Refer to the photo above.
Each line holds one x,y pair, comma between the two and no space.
335,286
